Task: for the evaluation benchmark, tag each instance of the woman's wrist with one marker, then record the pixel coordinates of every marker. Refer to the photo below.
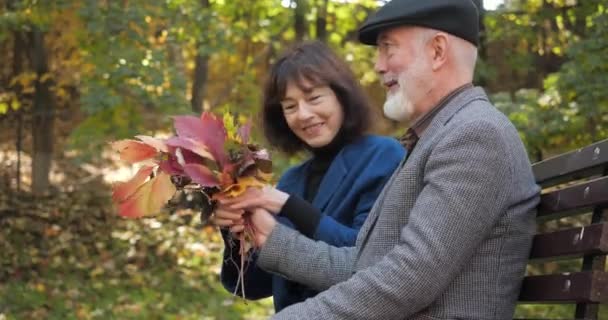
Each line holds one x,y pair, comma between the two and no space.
278,199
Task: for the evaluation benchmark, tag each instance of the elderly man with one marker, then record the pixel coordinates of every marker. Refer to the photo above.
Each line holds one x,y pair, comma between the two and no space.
449,236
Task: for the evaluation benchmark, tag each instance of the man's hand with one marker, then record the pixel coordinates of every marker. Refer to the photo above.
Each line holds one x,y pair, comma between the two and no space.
268,198
263,224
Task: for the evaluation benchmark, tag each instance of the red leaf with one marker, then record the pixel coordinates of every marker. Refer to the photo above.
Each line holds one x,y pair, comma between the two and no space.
208,129
201,175
190,144
170,165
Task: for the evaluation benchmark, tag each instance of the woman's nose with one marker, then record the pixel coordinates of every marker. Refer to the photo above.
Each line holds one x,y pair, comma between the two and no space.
304,111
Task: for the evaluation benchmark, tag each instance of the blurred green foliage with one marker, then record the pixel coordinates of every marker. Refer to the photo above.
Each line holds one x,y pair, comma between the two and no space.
68,256
120,68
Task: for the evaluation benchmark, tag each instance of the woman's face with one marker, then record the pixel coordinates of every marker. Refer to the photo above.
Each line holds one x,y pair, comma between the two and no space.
314,114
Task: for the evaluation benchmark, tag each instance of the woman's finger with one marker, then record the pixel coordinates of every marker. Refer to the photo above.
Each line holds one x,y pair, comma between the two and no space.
247,203
222,222
228,214
237,228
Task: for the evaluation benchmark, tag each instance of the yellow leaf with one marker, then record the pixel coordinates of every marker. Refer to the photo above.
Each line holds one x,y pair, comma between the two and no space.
3,107
45,77
40,287
241,185
15,104
266,177
28,90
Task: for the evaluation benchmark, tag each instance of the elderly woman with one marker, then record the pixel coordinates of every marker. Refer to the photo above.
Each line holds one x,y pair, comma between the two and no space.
312,102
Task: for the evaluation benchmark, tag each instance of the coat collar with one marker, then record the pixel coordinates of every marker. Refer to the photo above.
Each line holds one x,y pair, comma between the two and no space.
331,182
461,100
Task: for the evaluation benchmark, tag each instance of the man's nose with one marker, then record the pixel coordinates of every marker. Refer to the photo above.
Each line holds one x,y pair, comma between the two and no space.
380,65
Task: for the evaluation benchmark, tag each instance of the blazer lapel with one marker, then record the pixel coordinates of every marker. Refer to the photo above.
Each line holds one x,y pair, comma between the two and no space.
456,104
296,183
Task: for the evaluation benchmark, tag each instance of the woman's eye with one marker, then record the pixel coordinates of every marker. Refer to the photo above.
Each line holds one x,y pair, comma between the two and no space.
289,107
315,98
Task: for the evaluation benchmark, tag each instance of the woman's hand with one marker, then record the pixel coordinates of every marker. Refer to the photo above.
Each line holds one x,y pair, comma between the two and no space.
261,220
268,198
225,217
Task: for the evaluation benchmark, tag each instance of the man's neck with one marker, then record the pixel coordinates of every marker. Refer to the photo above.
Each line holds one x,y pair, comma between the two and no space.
434,97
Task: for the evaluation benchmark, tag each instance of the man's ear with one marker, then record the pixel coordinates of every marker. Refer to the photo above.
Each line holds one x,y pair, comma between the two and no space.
439,49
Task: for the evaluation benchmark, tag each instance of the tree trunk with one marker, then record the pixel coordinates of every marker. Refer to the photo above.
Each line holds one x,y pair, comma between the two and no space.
43,116
18,53
300,20
322,21
201,69
482,28
483,54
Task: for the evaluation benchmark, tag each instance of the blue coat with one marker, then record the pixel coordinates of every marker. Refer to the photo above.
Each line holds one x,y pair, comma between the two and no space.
346,194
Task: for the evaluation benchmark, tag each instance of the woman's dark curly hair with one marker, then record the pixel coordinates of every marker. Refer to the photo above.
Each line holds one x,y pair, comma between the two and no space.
313,63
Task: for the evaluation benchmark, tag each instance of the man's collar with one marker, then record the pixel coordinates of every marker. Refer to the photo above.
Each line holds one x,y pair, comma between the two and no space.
420,124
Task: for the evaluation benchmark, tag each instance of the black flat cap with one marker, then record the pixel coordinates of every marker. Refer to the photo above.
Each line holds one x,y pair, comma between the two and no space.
457,17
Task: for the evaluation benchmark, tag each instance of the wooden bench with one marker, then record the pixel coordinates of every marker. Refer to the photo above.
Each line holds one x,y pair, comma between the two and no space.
575,186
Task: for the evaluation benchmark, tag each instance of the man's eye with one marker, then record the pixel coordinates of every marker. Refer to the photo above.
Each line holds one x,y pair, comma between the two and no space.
385,46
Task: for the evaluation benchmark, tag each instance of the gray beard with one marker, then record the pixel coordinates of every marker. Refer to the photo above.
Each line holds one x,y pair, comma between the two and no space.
397,107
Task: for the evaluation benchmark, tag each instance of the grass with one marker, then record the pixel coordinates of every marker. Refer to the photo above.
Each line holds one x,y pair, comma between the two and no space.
153,294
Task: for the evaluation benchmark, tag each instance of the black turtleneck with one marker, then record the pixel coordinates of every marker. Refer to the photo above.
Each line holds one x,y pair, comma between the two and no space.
300,211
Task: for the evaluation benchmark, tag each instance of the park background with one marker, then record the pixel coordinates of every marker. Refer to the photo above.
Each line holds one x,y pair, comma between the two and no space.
77,74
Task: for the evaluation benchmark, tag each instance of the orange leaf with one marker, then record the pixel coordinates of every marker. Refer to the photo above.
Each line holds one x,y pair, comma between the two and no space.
158,144
240,186
149,198
266,177
123,190
133,151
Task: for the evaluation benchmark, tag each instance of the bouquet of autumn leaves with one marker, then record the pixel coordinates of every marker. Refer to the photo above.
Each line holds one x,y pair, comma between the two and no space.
209,153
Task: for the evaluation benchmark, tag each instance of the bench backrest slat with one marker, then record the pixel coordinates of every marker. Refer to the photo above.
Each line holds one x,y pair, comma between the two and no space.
579,287
575,182
574,242
572,165
580,196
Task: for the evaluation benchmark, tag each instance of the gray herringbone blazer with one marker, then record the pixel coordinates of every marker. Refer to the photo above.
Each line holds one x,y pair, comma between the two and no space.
448,238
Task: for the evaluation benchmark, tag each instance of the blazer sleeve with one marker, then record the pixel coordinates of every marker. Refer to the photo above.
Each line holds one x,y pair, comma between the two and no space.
380,163
465,189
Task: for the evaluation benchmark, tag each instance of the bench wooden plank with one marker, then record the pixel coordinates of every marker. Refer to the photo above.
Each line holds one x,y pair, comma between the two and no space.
580,196
592,239
578,287
572,165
